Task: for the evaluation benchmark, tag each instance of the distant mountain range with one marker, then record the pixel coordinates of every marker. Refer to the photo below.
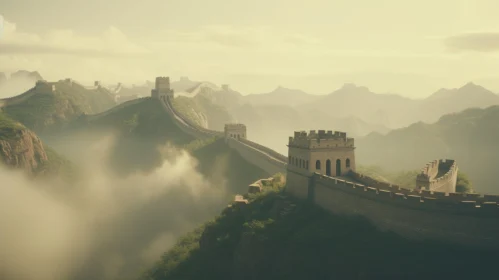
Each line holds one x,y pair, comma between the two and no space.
471,137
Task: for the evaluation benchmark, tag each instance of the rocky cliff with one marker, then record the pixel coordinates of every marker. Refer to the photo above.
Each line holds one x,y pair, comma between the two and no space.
20,147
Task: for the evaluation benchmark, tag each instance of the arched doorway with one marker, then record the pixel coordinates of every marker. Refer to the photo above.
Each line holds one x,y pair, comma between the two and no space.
318,165
347,163
328,167
338,167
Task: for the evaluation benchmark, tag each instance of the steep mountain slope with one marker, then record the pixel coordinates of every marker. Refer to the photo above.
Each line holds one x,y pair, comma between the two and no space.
142,130
358,101
21,148
470,137
446,101
278,237
395,111
44,111
281,96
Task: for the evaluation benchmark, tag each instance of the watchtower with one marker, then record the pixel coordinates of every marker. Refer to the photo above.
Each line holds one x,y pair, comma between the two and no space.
43,86
327,153
235,130
97,84
162,89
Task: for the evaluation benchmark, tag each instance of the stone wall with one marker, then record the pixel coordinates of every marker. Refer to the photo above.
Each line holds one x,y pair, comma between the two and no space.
267,159
438,175
116,108
465,219
185,124
257,157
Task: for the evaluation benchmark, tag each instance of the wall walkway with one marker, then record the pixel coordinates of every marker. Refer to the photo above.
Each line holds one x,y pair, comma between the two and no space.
267,159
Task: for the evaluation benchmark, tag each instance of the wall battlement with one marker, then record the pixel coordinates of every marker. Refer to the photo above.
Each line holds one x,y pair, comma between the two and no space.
422,200
321,139
162,89
438,175
235,130
461,218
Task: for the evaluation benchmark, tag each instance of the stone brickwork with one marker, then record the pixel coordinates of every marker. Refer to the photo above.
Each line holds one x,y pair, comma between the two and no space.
162,89
323,152
235,130
438,175
460,218
44,87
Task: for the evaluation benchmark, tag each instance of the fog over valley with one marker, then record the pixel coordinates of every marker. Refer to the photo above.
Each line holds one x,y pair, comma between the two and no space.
167,140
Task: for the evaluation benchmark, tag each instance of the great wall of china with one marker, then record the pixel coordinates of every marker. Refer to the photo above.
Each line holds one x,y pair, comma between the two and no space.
431,211
426,212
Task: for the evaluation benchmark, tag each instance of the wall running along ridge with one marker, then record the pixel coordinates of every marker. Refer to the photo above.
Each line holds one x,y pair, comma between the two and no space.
468,219
267,159
438,175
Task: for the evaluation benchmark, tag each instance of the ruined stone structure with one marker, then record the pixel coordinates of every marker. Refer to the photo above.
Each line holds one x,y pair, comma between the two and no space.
97,84
235,130
438,175
162,89
225,87
42,86
324,152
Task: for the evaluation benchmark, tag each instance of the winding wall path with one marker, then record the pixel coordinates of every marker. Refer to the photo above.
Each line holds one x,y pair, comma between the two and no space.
267,159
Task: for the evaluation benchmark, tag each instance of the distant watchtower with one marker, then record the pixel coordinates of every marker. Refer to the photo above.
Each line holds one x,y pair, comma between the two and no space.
225,87
327,153
235,130
43,86
162,89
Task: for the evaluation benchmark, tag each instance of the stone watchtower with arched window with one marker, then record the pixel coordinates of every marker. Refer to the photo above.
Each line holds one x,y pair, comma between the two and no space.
235,130
324,152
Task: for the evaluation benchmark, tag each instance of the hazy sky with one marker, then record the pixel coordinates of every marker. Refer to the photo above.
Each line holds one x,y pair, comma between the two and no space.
407,47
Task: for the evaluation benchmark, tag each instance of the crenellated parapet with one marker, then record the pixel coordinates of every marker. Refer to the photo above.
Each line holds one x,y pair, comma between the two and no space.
321,140
235,130
438,175
469,219
326,152
162,89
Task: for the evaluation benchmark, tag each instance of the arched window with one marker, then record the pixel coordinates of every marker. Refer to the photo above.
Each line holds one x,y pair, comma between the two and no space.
348,163
318,165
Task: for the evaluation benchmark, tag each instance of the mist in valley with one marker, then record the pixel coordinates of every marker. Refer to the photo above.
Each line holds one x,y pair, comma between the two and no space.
107,225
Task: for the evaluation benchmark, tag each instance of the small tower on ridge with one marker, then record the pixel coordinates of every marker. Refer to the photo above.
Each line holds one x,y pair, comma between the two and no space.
162,89
235,130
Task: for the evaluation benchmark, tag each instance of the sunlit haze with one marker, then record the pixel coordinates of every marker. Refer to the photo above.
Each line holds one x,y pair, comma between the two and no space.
412,48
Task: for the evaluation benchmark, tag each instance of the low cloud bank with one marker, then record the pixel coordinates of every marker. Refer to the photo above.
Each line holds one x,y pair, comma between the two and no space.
104,227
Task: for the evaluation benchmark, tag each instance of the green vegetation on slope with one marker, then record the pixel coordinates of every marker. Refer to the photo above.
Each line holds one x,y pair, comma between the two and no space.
11,131
200,109
470,137
47,112
279,237
144,128
407,179
9,128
